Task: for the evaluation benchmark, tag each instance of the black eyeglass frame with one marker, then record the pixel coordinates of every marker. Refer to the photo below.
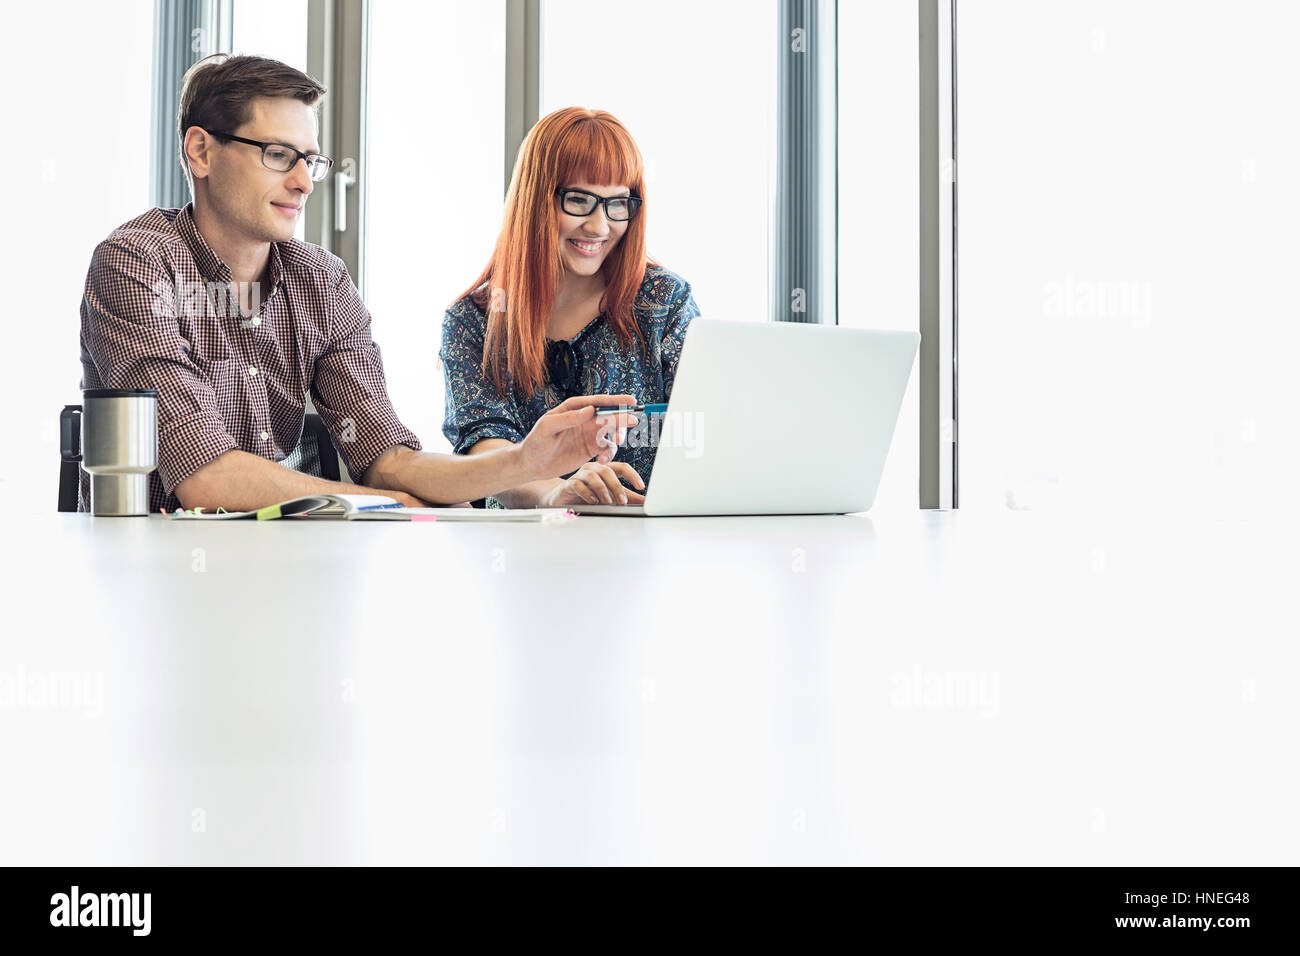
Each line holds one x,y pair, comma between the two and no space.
298,154
634,204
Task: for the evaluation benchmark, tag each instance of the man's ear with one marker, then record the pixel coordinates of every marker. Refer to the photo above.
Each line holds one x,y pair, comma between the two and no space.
198,151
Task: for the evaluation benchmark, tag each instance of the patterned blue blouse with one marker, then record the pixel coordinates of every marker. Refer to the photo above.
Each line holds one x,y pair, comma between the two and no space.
592,361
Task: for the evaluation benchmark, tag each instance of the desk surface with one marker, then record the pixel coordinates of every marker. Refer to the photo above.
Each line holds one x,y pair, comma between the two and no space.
930,688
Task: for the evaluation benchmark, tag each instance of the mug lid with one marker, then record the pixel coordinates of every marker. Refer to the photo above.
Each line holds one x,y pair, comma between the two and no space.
120,393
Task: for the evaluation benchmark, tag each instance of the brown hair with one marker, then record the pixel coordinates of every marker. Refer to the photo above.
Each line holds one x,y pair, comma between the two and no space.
216,92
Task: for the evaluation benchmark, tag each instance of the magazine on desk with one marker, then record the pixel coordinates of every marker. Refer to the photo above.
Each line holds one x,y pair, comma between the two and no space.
371,508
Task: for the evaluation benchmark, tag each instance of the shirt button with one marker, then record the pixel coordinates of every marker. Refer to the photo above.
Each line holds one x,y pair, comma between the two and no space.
257,320
252,370
265,436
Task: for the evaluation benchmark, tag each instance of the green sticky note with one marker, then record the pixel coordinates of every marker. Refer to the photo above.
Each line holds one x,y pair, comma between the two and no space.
267,513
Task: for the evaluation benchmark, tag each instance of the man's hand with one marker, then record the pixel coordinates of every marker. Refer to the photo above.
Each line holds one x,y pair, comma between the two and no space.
570,434
595,483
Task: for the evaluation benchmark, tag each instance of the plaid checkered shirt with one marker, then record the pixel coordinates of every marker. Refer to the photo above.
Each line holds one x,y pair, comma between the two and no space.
158,312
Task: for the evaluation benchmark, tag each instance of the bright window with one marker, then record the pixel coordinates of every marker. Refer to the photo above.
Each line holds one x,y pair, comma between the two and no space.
879,182
272,28
81,100
1127,324
695,84
275,29
435,183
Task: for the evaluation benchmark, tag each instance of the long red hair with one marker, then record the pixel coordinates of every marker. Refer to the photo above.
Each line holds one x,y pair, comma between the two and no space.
518,287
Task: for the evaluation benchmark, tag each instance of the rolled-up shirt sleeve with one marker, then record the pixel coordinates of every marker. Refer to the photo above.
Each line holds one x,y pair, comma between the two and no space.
131,335
348,387
474,410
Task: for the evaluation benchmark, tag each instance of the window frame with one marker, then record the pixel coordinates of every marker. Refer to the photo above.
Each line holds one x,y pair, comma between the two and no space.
338,41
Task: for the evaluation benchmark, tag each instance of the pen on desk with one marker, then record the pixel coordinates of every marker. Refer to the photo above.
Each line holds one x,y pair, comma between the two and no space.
653,409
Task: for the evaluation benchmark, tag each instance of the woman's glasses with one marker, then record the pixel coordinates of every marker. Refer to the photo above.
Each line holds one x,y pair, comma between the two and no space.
579,202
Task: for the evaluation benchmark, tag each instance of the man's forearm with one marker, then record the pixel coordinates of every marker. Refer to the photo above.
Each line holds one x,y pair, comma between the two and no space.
448,479
528,495
239,481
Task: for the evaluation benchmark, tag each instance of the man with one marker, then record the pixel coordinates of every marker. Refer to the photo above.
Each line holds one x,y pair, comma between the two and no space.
233,322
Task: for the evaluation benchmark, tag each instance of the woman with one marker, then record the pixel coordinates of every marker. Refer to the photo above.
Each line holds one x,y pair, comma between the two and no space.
569,304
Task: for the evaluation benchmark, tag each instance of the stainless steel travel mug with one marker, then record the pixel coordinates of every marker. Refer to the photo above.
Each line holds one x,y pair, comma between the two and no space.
119,447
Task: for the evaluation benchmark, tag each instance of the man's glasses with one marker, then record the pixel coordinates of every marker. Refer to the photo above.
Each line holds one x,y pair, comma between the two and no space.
579,202
282,158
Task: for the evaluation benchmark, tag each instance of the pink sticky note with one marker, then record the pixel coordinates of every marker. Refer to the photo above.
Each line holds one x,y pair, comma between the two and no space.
424,517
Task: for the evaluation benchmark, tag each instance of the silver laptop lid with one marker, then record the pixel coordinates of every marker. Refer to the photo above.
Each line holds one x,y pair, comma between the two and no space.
779,418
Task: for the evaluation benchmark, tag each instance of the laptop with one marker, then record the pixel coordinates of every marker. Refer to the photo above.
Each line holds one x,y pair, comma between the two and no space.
774,418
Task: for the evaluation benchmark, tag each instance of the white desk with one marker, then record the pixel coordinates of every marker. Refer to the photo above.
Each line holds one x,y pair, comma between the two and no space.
926,688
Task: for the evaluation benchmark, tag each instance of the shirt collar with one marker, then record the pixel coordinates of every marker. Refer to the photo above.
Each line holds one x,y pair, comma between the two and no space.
210,264
275,270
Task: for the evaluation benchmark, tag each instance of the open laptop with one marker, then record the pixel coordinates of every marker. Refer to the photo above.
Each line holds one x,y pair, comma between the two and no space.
773,418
